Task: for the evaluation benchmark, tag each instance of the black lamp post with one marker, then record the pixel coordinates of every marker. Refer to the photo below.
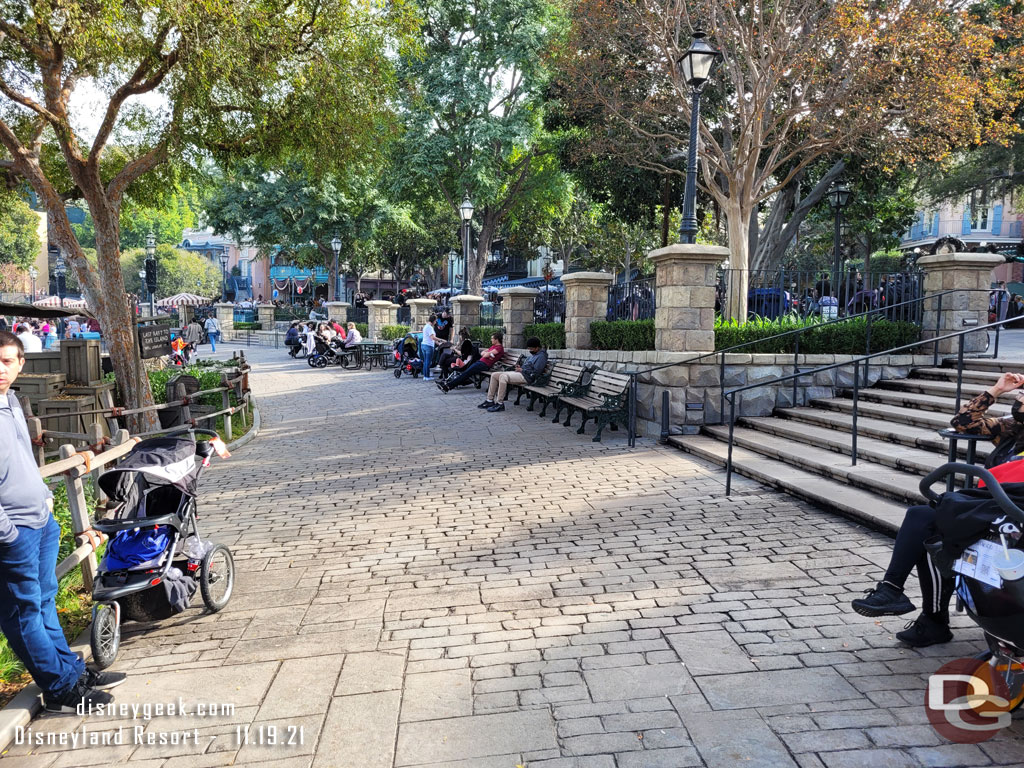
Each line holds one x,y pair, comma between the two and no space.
142,281
33,273
466,211
839,197
151,272
336,248
61,270
224,275
697,64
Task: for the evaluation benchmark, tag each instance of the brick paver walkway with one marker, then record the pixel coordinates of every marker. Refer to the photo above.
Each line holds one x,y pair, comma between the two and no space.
425,584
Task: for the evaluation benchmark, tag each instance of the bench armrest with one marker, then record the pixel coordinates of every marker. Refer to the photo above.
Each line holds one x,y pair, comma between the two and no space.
574,390
615,402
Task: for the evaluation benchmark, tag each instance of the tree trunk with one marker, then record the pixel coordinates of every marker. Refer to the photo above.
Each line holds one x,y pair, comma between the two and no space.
332,273
478,262
738,222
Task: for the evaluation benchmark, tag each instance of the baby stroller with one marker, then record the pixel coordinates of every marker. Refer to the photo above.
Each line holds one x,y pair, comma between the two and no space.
155,556
407,359
981,544
323,355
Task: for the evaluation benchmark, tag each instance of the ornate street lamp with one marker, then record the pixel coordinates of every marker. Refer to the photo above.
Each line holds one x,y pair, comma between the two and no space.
33,273
151,272
224,275
839,197
61,270
336,248
466,211
697,64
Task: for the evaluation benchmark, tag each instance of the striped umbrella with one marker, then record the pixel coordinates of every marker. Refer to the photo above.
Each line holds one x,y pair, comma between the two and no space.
183,300
54,301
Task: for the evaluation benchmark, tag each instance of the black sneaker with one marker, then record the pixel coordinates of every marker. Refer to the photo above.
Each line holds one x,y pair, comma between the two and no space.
486,404
79,696
443,387
103,681
924,631
883,600
496,408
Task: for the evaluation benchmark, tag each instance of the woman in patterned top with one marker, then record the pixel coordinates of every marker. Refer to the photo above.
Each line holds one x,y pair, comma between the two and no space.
887,598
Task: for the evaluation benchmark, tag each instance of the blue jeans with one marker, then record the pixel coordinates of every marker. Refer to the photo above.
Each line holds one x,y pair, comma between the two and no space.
426,353
467,374
28,611
213,340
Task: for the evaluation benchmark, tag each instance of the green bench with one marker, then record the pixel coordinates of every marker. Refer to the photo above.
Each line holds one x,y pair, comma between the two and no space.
551,384
604,398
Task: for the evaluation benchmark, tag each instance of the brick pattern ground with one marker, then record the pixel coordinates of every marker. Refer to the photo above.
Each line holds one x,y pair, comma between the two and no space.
422,583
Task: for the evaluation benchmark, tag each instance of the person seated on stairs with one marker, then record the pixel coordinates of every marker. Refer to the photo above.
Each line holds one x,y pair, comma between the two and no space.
931,627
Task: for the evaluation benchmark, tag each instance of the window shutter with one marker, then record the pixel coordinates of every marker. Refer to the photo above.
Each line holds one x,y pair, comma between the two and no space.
997,220
966,230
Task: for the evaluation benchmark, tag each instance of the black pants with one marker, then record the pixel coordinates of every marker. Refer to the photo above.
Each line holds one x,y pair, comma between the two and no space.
908,552
467,374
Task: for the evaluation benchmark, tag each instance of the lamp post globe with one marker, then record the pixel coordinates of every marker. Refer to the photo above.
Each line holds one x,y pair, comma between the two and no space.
697,65
466,211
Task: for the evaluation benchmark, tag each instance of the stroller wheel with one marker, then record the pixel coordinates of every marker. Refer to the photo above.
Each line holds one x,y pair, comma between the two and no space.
311,360
398,373
105,637
217,577
321,362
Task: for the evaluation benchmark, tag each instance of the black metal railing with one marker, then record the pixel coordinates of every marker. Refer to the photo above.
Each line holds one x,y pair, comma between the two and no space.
549,307
632,301
359,314
776,293
490,312
404,315
870,317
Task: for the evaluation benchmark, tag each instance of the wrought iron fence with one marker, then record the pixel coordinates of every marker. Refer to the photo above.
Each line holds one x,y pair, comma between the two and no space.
359,314
405,315
490,312
245,315
549,307
632,301
773,294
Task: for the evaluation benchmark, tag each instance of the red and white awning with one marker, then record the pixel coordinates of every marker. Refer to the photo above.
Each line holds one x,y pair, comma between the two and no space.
54,301
183,300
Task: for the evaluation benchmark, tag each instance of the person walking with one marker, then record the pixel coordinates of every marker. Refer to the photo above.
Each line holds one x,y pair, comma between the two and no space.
212,326
427,346
29,542
192,334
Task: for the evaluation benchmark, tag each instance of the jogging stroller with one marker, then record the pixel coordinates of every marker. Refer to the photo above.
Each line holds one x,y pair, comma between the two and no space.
407,358
323,355
980,543
155,555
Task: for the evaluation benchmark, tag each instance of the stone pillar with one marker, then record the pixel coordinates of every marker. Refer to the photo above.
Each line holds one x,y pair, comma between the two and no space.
421,309
338,311
265,316
685,280
586,300
380,313
517,305
970,274
225,316
465,312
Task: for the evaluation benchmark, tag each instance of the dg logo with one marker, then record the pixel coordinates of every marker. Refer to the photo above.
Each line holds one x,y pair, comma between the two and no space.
969,701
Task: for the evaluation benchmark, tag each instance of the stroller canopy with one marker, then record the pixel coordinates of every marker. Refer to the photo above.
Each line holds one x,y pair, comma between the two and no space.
159,461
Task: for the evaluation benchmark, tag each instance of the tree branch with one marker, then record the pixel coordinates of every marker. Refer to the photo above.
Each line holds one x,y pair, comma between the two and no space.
133,170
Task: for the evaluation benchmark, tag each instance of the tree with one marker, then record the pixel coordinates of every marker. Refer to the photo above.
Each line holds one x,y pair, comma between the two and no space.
472,107
800,80
176,212
307,79
177,271
19,232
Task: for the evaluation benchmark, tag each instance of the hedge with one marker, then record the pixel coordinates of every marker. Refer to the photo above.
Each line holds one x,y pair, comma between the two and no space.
847,338
482,333
392,332
245,326
209,378
631,335
551,335
364,329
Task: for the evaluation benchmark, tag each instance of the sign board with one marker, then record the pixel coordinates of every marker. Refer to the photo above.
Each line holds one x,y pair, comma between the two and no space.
155,340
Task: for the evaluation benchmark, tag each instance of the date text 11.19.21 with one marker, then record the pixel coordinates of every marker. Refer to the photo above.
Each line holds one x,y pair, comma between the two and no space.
270,735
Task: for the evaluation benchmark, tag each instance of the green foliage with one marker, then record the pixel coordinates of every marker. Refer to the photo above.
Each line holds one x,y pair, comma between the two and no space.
551,335
482,333
19,233
364,329
176,272
392,332
846,338
244,326
168,218
630,335
209,378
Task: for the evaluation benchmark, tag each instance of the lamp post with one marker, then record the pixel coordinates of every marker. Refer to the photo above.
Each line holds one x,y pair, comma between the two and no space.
33,273
697,64
224,275
466,210
839,197
336,248
61,270
142,281
151,272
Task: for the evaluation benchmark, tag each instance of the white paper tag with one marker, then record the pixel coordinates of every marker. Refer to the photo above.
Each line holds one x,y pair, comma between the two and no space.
976,563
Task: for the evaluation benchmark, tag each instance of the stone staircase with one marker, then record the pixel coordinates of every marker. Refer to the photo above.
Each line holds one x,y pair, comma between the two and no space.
807,452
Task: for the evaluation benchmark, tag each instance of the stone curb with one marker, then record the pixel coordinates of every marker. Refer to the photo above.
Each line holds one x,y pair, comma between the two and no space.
252,433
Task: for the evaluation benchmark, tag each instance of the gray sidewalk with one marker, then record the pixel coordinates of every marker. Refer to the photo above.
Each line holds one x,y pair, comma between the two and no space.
425,584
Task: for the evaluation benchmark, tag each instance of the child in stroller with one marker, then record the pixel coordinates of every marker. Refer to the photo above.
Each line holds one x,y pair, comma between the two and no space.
407,359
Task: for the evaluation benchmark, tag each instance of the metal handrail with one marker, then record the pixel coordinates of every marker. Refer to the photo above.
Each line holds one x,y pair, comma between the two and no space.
796,352
856,363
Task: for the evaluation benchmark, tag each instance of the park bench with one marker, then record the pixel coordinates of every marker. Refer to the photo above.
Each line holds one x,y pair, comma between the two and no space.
605,399
508,362
551,383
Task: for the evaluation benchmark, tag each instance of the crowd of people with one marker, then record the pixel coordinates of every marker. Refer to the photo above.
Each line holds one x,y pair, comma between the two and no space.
301,337
37,335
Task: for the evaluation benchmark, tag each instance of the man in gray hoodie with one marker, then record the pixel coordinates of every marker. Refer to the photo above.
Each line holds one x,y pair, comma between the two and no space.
527,373
29,541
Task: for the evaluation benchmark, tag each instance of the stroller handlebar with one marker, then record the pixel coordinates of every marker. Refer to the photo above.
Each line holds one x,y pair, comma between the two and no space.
991,485
196,430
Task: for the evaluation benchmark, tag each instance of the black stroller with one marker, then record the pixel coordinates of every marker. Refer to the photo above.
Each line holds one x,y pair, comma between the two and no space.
982,549
155,556
407,358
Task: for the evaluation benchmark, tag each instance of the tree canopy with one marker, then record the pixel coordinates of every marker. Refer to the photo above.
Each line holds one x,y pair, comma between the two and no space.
19,232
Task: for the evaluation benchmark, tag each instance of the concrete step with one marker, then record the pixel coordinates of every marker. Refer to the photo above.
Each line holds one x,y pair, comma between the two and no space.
860,505
934,403
882,428
968,391
869,448
982,378
1000,365
891,483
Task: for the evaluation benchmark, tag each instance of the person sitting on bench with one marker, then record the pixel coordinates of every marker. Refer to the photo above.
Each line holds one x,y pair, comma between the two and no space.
492,355
527,373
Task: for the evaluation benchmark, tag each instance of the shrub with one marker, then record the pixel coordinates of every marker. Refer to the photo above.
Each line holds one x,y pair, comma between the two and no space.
364,329
392,332
209,378
847,338
247,326
551,335
630,335
482,333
